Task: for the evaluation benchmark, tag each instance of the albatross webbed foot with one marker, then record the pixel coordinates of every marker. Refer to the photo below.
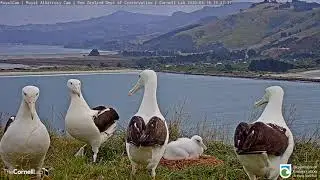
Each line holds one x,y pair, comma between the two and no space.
80,152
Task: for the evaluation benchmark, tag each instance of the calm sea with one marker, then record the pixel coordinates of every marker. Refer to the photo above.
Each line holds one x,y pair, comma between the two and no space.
219,101
16,50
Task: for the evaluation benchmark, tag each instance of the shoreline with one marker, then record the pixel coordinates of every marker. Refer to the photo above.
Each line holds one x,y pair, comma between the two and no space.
279,77
276,77
64,72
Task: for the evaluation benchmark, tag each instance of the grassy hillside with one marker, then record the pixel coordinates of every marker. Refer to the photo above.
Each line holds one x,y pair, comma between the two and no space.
262,26
259,26
112,162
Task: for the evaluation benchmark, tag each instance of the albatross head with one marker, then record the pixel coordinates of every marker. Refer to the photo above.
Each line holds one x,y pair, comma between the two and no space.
30,95
270,92
199,141
74,86
145,77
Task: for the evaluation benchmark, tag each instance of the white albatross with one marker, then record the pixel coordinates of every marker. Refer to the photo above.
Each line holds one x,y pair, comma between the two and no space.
26,141
185,148
263,145
147,133
92,126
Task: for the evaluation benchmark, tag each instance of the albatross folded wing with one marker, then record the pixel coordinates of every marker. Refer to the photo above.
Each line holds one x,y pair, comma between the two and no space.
260,137
152,134
106,117
135,130
8,123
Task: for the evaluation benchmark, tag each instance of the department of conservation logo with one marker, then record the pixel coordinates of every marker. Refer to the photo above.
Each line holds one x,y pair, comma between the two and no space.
285,170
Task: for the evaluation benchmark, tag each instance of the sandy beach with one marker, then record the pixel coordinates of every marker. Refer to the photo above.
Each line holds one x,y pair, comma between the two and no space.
313,74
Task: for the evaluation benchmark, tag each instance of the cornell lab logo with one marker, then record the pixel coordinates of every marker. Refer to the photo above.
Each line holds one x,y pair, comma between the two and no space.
285,170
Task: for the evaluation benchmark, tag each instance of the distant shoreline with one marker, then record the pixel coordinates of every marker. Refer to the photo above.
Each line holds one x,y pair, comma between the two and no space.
280,77
277,77
64,72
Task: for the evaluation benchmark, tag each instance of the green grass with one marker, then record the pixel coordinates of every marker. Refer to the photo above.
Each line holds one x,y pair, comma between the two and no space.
114,164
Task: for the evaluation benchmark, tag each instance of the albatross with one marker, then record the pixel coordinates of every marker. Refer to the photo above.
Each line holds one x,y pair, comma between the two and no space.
26,140
92,126
185,148
263,145
147,133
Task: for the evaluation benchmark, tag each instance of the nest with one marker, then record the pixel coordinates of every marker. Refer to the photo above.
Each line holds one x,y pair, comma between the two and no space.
204,160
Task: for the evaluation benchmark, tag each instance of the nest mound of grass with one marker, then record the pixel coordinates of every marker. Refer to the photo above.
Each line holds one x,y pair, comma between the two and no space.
204,160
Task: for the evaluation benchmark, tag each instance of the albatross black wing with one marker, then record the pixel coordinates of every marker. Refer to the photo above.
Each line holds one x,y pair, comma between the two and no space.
240,134
155,133
106,117
152,134
10,120
259,137
135,130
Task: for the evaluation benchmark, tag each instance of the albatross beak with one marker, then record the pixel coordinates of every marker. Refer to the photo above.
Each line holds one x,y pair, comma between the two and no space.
135,88
32,108
77,92
261,102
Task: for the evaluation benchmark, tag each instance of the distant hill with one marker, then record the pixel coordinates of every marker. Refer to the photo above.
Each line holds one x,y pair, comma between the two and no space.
111,31
179,19
261,27
118,24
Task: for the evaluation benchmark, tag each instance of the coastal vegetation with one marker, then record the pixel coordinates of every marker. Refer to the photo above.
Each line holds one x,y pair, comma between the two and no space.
270,65
113,162
224,63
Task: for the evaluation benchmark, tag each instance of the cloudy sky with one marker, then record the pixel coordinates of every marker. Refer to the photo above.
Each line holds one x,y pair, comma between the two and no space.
18,15
318,1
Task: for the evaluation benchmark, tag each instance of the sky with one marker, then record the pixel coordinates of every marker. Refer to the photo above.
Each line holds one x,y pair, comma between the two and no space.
318,1
20,15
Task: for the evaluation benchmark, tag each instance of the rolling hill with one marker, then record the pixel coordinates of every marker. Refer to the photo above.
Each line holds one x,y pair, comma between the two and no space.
261,27
111,30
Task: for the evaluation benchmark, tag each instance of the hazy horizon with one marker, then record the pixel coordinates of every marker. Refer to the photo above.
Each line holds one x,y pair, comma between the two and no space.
21,15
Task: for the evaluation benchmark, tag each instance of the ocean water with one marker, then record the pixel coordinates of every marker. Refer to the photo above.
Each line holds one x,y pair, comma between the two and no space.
220,102
16,50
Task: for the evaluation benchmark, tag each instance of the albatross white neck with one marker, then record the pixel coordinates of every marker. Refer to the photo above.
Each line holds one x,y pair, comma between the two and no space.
149,106
78,100
24,112
273,111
